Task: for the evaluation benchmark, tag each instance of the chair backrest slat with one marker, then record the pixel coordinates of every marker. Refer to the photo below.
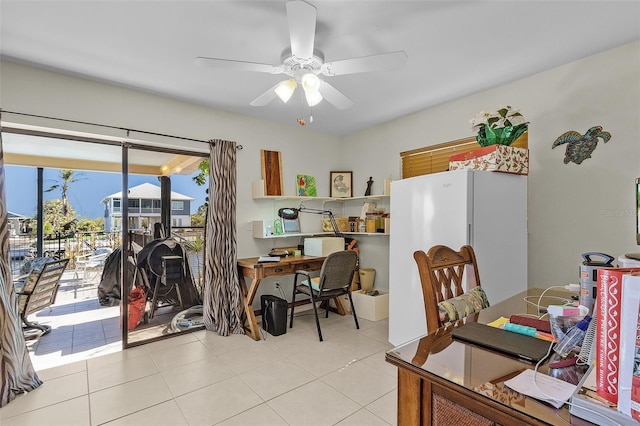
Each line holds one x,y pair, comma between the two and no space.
43,292
442,272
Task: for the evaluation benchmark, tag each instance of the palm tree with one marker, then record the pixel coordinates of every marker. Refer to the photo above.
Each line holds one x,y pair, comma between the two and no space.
67,177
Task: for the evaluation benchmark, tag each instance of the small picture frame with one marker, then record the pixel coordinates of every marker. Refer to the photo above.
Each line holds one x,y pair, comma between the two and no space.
340,184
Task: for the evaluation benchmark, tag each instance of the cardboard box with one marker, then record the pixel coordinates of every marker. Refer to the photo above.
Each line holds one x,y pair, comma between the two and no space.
372,308
495,158
323,246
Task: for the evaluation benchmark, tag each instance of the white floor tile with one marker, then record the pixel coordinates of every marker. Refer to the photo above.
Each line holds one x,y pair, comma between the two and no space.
119,356
164,414
217,402
117,401
67,413
190,377
241,360
171,342
219,344
360,382
386,407
322,358
360,345
62,370
117,373
49,393
261,415
315,403
378,361
276,378
202,378
172,357
361,418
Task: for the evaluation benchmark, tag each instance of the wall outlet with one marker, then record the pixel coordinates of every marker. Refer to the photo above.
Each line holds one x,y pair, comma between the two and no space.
249,226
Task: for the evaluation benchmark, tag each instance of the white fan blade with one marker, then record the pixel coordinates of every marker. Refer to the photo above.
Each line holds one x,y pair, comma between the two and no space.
334,96
228,64
302,28
266,97
381,62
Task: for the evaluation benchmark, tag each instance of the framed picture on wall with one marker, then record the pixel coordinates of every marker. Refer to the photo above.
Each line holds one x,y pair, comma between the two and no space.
340,184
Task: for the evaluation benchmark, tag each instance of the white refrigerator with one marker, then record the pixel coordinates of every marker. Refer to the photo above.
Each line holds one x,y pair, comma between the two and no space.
487,210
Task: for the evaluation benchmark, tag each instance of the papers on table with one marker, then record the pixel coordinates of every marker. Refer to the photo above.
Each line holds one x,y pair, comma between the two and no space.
549,389
262,259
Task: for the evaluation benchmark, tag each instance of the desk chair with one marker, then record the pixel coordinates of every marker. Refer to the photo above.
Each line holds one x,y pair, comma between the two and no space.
334,281
441,276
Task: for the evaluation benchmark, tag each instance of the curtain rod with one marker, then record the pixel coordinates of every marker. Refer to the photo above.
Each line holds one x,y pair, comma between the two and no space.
144,132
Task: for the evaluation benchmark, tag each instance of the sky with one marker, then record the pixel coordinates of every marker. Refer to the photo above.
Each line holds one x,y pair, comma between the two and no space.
85,195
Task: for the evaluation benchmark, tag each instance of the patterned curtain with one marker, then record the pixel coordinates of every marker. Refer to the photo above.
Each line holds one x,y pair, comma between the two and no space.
222,292
18,375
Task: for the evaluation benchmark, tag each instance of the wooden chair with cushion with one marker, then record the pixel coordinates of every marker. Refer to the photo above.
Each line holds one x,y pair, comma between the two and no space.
39,292
442,272
334,281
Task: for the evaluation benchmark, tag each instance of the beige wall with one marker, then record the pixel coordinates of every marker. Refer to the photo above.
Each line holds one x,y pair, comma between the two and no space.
572,208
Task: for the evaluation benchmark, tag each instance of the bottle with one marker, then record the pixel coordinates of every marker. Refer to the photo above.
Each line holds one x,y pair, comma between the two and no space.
573,338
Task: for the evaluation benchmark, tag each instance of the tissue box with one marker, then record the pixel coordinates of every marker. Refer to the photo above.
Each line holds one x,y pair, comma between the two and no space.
323,246
495,158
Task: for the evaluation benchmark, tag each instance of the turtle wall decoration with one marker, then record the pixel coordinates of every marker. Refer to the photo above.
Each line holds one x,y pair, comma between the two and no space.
580,147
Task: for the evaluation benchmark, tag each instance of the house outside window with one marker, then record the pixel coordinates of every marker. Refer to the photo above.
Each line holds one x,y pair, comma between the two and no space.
145,208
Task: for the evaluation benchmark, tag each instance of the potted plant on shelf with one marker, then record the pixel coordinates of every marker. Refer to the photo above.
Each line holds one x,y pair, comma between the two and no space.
500,127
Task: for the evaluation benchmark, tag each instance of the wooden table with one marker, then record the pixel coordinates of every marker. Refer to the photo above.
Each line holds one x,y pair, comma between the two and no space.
440,379
256,271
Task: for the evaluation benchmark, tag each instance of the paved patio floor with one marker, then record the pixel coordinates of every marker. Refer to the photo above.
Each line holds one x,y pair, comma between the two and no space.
80,327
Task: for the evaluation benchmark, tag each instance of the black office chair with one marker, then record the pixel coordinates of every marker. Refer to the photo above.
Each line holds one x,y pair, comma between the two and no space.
334,281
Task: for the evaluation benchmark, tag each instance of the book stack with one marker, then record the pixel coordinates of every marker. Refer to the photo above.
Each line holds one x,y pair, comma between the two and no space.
617,329
587,404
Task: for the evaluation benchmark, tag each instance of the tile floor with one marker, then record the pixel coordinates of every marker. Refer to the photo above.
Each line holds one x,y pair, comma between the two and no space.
202,378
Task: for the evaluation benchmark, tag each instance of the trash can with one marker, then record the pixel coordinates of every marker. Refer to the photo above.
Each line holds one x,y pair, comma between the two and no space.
274,314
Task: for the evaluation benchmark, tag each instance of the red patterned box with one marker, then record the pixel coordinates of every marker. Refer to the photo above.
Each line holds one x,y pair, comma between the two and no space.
495,158
608,304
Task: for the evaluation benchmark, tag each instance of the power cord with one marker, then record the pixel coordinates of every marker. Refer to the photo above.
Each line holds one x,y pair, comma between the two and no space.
535,383
570,287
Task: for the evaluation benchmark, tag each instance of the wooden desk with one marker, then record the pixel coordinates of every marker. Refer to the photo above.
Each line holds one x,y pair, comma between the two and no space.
250,268
439,380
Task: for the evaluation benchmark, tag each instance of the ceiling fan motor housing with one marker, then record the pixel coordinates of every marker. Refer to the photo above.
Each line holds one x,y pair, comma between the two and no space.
292,64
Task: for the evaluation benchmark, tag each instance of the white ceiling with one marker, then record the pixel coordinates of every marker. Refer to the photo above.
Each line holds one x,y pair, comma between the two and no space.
454,48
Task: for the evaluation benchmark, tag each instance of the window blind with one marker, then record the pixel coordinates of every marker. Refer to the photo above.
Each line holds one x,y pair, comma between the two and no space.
435,158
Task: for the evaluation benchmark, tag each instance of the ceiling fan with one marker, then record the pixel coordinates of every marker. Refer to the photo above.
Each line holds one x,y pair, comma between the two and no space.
303,63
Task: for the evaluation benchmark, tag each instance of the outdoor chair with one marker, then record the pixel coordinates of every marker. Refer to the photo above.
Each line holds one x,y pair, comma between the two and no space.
334,281
39,292
441,272
91,266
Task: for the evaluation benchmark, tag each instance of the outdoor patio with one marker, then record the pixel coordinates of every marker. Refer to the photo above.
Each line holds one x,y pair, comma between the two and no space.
80,327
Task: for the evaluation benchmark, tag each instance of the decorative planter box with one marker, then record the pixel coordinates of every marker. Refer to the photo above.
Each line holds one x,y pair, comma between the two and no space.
342,222
495,158
372,308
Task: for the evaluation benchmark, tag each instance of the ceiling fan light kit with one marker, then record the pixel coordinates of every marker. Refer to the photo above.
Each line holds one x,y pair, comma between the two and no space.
304,63
285,90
